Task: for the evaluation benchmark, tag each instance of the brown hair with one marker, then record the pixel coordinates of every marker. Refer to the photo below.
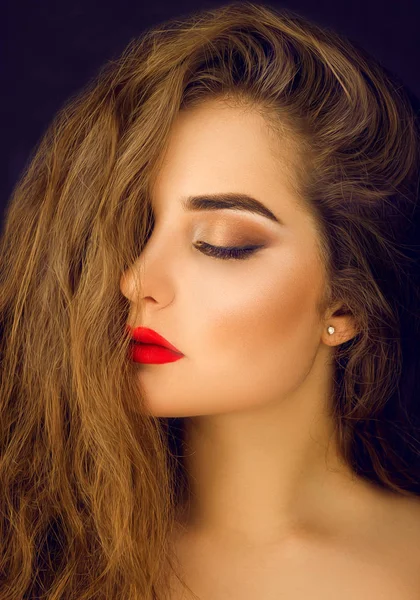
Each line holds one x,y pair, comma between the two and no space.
91,483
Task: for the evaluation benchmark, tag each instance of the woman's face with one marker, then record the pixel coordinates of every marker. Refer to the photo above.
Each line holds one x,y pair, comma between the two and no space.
249,329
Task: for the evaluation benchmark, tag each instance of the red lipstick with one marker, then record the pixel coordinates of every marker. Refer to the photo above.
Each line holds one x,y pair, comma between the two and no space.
150,347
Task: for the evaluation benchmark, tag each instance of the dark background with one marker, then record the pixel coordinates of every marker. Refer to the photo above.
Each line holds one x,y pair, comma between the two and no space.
53,48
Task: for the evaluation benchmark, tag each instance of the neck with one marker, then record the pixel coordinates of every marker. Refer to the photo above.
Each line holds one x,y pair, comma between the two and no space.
266,474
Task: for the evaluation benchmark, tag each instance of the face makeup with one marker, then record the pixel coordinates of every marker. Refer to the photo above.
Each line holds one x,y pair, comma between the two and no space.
149,347
151,354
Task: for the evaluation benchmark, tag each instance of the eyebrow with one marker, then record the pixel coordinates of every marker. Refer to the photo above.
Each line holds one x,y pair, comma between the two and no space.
229,200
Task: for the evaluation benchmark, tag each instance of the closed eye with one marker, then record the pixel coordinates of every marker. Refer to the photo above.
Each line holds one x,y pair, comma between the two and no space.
227,252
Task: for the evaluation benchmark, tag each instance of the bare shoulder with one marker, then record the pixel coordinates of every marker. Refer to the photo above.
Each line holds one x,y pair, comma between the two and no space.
379,559
401,523
394,549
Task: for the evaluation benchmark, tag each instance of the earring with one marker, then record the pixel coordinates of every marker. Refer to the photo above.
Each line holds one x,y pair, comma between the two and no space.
330,330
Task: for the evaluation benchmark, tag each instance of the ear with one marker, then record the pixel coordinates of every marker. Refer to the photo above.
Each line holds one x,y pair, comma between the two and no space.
344,323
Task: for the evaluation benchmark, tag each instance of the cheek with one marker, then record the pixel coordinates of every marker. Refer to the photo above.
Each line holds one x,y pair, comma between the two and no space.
266,323
253,337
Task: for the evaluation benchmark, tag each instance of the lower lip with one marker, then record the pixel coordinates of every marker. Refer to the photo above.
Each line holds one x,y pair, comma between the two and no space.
151,354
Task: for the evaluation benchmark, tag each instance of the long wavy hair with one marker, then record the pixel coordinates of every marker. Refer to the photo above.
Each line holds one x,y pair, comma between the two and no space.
91,483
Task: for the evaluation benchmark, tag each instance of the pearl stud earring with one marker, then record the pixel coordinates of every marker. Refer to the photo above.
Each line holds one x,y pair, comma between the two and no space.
330,330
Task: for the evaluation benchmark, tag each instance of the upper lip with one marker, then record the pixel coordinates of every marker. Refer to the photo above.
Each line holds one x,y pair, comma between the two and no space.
144,335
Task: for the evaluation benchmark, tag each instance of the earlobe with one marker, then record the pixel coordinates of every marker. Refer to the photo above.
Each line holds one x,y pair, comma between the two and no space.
339,324
342,330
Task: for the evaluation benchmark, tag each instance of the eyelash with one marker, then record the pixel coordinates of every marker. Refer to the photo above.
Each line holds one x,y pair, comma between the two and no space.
226,252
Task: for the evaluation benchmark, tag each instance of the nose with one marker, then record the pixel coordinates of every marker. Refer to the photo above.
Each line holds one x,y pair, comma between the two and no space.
150,281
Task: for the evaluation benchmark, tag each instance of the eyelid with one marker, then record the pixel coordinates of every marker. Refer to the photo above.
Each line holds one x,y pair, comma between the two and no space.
230,236
242,243
227,252
244,246
232,222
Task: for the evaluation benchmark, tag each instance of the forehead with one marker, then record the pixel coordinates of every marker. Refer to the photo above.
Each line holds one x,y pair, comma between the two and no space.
217,149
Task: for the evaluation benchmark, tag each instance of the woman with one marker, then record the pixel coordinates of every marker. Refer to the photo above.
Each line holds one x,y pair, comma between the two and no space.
244,184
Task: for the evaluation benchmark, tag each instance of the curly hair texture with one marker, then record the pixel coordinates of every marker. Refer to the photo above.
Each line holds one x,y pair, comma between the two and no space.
90,482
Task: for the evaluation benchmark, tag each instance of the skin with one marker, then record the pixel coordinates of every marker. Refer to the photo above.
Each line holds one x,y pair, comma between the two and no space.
267,482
